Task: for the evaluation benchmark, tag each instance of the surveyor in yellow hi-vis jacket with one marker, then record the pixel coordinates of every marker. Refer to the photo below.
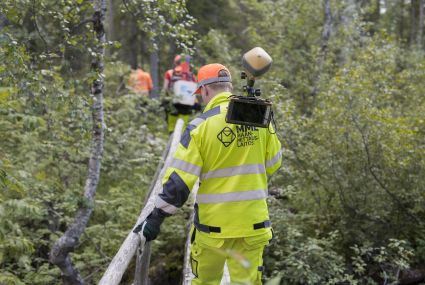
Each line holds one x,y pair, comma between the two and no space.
232,163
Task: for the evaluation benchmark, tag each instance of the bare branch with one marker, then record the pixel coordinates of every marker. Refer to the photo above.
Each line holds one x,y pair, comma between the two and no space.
79,25
34,14
59,254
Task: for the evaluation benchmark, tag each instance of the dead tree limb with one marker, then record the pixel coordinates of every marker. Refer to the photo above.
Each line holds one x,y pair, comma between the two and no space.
59,254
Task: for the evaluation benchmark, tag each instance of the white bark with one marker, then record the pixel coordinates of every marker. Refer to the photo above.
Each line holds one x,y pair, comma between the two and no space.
59,254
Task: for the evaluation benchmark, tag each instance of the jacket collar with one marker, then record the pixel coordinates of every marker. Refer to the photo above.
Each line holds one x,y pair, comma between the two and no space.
218,99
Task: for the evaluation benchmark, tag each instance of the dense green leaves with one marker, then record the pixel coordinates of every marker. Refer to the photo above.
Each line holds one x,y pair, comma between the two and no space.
349,111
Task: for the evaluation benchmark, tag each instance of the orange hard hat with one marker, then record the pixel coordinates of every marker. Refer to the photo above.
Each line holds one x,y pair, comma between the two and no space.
209,73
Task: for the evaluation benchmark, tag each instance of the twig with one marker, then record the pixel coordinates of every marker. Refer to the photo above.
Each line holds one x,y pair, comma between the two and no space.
375,177
75,28
36,25
92,273
99,250
128,9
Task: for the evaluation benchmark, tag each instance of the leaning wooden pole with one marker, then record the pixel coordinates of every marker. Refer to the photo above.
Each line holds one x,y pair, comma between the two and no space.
59,254
120,262
143,254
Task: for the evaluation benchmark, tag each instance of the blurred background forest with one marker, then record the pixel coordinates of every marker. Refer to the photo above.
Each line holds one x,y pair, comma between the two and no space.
347,82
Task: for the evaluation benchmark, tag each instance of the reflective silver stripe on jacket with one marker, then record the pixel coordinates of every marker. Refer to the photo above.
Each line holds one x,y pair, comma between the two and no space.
231,196
166,207
186,166
196,122
274,159
235,170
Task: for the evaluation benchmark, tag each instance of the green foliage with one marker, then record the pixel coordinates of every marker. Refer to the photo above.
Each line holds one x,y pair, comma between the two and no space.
349,113
354,167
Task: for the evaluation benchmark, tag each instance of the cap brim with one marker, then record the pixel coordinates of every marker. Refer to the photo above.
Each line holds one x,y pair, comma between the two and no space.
197,91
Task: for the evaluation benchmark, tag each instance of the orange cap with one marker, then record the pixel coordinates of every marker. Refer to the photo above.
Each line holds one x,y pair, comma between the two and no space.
209,73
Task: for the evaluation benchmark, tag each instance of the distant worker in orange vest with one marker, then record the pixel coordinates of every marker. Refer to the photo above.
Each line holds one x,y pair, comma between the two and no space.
140,82
179,85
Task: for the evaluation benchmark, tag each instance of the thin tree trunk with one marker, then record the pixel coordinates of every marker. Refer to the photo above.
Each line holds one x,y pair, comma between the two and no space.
111,26
154,59
111,16
413,20
142,265
59,254
133,44
349,30
327,27
326,34
421,25
401,20
377,12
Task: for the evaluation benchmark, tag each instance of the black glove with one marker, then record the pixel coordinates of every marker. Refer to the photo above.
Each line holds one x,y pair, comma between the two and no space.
150,232
151,226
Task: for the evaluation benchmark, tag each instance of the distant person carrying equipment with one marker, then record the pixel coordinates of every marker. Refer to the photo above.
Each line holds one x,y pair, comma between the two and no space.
232,162
140,82
179,85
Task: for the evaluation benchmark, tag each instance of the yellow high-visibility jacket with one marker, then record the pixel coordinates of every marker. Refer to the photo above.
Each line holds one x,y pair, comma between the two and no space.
232,163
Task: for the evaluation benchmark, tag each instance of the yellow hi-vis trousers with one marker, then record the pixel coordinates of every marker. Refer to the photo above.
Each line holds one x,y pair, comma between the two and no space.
172,120
244,258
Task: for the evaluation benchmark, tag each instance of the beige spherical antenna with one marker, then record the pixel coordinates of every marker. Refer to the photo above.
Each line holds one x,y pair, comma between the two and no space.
256,62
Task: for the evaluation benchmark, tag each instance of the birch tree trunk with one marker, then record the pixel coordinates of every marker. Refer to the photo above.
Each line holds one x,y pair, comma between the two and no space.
59,254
